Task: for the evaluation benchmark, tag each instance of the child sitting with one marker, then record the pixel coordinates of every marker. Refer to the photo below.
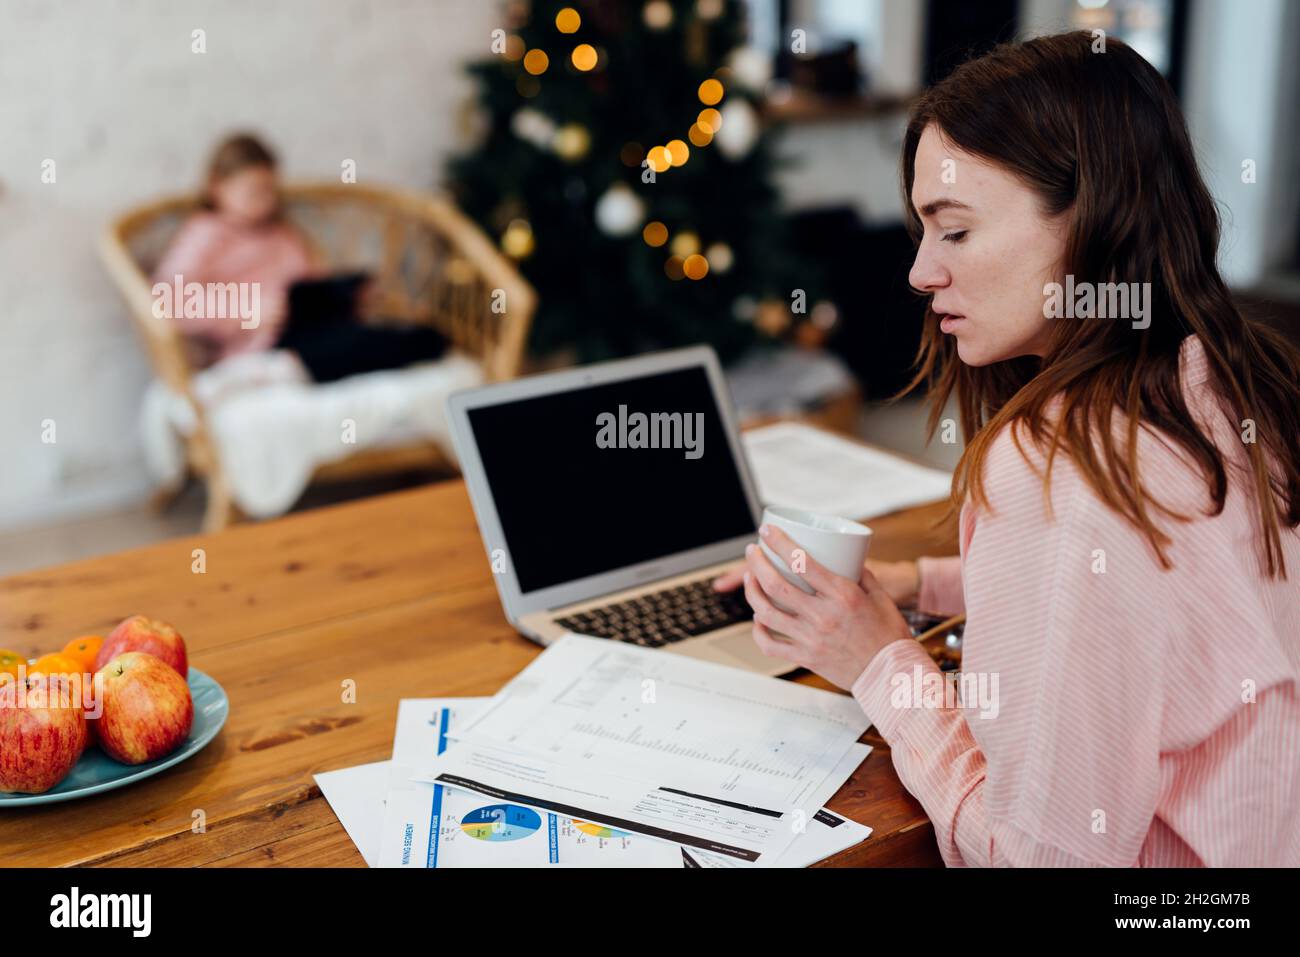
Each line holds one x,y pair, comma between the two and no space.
242,237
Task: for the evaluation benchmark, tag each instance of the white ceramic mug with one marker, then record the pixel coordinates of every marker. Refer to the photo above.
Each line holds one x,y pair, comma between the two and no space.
835,543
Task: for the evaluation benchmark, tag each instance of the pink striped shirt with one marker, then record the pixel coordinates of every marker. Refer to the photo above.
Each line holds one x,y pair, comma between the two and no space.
1113,714
211,248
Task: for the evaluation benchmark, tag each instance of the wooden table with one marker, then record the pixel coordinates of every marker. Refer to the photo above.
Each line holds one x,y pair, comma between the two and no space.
393,593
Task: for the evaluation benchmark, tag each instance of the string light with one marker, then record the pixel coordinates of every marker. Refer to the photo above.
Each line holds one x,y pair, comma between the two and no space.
515,47
631,154
517,241
710,92
710,120
658,159
584,57
699,136
720,257
658,14
678,152
568,20
673,268
695,267
571,141
685,244
655,233
536,62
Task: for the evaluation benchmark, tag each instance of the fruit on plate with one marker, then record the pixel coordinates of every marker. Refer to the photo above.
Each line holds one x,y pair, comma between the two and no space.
10,661
139,633
55,663
40,740
148,711
84,650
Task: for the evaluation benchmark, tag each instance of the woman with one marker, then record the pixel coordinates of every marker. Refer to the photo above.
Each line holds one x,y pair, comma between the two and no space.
1130,493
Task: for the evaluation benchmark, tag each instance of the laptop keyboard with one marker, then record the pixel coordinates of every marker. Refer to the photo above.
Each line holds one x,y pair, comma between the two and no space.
660,618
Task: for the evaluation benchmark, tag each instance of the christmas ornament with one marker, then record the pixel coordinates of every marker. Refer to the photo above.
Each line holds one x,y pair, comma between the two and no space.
719,256
533,126
658,14
571,142
772,317
739,129
517,241
685,244
751,66
619,211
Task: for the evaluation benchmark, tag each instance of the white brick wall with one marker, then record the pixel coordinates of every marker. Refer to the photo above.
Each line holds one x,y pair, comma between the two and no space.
111,91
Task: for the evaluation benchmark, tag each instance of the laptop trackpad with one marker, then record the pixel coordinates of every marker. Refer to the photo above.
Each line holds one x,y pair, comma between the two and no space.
739,645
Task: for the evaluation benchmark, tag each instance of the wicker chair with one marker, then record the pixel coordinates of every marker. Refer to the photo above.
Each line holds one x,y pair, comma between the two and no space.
431,265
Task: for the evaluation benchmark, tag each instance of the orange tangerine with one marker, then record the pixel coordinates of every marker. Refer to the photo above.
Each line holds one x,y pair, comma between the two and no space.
10,661
56,663
84,651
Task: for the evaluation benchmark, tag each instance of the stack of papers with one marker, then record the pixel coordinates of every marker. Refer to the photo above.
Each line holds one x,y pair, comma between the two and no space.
600,754
802,467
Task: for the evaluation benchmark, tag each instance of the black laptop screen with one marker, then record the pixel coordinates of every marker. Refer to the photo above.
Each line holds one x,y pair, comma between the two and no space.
599,478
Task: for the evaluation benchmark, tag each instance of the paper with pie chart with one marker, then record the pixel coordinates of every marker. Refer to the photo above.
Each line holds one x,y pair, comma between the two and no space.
433,826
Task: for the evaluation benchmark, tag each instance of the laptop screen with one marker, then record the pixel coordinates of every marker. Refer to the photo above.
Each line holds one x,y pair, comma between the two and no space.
595,479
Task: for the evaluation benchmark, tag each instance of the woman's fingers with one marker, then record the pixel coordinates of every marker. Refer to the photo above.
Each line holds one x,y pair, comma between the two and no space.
730,580
790,597
798,560
774,647
765,612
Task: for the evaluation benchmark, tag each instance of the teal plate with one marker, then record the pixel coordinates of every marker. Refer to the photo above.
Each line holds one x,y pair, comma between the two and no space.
97,772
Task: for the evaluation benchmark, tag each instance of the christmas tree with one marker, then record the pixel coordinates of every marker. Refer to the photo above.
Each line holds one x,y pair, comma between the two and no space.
623,165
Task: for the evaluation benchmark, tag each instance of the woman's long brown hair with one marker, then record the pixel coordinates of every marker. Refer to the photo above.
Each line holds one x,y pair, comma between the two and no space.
1099,135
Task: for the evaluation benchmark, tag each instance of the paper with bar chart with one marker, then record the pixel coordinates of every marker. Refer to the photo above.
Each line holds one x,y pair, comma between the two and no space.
659,744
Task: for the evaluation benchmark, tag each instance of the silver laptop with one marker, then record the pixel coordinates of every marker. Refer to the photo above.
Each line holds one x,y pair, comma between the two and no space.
609,498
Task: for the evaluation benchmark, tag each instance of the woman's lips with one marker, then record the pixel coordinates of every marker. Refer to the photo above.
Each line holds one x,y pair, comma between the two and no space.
950,322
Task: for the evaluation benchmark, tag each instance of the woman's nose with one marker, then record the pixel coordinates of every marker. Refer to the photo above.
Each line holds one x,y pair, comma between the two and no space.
927,274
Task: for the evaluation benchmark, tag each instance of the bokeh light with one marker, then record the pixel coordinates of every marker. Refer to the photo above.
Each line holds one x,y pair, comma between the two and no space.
515,47
631,154
695,267
710,92
536,62
584,57
685,243
699,136
568,20
659,159
655,233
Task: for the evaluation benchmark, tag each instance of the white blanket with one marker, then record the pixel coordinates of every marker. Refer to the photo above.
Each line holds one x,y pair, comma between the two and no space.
273,427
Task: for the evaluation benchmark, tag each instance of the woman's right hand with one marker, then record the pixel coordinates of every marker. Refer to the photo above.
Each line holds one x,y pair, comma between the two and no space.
901,580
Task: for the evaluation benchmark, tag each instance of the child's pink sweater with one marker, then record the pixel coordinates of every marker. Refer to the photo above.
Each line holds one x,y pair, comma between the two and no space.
1143,717
210,248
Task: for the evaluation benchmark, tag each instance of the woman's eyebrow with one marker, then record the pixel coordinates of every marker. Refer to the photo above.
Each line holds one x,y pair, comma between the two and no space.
929,209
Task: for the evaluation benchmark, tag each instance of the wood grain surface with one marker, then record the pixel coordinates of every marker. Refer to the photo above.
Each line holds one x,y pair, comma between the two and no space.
393,593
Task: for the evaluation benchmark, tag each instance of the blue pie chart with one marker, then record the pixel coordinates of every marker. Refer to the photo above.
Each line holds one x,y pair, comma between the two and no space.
501,822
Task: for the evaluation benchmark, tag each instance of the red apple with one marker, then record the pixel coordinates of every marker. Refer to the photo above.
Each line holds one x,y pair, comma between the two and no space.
147,709
40,739
139,633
